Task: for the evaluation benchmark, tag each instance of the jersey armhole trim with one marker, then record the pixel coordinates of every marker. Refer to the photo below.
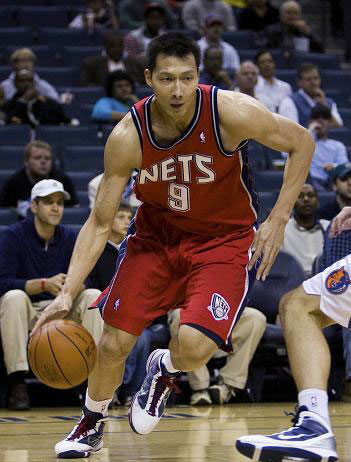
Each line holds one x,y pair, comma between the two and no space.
137,124
215,123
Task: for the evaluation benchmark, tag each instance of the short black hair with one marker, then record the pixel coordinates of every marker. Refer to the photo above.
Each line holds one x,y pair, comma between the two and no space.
306,67
171,44
261,52
117,75
320,110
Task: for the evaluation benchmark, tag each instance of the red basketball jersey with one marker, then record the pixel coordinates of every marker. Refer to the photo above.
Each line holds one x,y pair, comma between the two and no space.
194,183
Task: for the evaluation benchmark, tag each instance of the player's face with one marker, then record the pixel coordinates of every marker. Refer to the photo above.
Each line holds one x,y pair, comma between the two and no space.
307,202
49,209
174,81
310,82
39,162
121,223
343,186
266,65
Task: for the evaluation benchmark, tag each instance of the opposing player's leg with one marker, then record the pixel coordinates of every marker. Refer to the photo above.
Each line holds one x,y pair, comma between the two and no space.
87,436
311,436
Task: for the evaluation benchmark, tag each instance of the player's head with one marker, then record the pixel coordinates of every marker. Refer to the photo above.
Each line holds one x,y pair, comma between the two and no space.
23,58
307,203
48,198
119,85
308,78
341,177
323,116
114,45
173,61
38,159
121,222
265,63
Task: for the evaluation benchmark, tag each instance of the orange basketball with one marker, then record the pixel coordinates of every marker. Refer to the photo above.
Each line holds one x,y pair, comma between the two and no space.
62,354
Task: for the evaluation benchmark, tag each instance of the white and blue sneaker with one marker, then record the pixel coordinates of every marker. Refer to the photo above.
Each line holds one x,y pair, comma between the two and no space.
309,439
85,438
149,403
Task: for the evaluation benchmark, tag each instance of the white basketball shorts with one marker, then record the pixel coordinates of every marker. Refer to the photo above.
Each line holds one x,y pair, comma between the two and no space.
334,287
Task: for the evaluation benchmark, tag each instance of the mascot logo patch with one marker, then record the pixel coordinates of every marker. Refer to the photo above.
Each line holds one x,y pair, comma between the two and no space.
219,307
337,281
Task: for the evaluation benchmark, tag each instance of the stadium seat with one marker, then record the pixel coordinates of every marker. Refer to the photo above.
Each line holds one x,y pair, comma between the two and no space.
11,157
75,215
14,134
66,135
322,60
83,95
83,198
339,96
346,117
16,36
4,175
241,39
250,54
8,216
342,134
46,56
318,264
81,112
268,180
7,16
5,72
288,75
74,55
267,201
59,76
338,79
41,16
83,158
81,179
61,37
325,197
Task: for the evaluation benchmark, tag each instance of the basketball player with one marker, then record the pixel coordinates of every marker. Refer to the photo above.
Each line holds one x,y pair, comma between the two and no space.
321,301
190,243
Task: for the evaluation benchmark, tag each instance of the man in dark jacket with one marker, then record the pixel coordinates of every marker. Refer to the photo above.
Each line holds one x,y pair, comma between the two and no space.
37,166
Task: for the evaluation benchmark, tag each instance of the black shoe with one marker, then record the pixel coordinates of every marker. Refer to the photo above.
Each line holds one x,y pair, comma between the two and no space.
19,398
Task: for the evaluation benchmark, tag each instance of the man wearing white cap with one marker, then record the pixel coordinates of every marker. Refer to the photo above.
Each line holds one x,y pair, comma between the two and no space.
35,255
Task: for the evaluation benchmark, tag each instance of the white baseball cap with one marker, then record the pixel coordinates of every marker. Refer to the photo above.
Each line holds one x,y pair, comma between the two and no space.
46,187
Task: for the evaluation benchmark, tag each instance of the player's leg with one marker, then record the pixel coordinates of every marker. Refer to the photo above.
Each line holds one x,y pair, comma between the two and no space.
311,436
86,437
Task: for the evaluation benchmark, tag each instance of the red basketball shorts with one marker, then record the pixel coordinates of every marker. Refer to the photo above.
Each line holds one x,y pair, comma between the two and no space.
161,269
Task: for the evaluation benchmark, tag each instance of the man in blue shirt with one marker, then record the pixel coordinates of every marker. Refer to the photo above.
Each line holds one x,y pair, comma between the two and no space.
34,258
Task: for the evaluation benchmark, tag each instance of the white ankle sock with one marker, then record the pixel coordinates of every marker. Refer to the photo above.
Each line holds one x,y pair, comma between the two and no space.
97,406
316,401
167,362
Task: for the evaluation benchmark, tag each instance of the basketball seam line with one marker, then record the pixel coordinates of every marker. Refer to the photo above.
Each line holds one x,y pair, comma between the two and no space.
53,354
86,364
35,356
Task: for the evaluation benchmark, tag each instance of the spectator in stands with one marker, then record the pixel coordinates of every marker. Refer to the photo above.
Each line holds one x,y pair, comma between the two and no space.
213,32
246,79
24,58
137,40
297,106
38,165
268,85
292,33
328,153
304,232
233,376
29,106
346,10
35,255
2,102
131,13
213,72
341,184
258,15
195,12
119,98
94,69
99,13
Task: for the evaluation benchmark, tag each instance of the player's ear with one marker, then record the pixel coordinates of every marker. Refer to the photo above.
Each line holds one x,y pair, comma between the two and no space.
147,74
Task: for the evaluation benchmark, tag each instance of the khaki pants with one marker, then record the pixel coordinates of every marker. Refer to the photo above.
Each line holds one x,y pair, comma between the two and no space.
18,316
245,338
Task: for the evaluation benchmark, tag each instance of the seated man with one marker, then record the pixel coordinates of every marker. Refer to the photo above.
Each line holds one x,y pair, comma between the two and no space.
320,301
233,376
35,255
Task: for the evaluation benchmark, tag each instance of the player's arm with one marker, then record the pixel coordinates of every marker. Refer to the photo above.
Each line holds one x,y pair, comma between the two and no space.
253,121
342,222
122,155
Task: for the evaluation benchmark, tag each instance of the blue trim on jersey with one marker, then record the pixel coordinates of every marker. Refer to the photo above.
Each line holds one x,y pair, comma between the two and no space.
137,124
190,128
216,129
248,180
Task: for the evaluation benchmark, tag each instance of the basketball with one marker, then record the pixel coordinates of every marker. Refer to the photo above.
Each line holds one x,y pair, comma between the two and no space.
61,354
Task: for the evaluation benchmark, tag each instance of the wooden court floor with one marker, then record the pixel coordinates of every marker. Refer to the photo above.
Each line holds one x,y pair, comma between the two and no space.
186,434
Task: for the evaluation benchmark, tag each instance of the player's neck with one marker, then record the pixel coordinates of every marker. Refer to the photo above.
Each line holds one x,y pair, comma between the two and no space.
170,120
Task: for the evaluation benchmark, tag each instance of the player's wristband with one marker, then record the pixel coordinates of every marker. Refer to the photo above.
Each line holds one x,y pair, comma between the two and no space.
42,284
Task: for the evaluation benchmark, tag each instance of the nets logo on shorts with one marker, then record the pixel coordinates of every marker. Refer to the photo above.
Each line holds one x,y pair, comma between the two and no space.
219,307
337,281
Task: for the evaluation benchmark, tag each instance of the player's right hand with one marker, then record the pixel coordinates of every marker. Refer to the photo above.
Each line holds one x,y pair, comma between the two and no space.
342,222
58,309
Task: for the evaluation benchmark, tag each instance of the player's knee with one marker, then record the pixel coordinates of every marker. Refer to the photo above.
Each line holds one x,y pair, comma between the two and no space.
115,345
291,304
195,349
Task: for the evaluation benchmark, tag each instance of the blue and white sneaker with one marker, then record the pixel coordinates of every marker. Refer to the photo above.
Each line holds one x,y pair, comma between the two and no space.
309,439
149,403
85,438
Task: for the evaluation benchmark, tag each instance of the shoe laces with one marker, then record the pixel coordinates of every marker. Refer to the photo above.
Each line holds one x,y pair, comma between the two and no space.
164,385
296,415
87,423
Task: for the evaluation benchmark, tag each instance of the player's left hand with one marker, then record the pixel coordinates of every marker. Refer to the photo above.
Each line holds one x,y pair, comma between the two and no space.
341,222
266,245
